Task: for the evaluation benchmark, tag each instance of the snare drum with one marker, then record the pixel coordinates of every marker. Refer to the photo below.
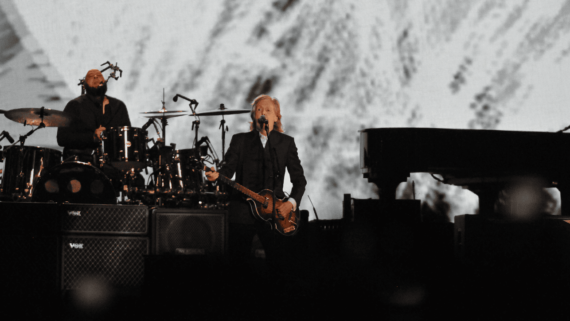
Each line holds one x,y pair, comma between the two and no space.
23,167
125,147
75,182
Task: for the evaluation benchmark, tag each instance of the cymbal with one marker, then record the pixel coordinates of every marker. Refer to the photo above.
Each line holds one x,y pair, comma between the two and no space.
163,116
31,116
162,112
222,111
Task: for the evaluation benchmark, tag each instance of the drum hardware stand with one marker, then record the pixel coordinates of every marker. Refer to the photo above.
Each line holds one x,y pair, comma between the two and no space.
115,68
3,135
6,135
22,139
128,190
82,83
164,123
197,124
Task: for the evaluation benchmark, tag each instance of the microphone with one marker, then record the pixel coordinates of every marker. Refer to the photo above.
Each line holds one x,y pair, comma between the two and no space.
262,120
8,137
192,101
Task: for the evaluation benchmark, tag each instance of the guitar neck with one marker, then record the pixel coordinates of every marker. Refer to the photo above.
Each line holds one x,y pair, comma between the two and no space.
242,189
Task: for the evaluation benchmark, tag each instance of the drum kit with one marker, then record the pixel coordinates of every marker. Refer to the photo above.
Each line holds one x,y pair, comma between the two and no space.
40,174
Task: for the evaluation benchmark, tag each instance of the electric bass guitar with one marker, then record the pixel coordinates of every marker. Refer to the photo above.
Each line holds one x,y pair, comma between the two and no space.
261,205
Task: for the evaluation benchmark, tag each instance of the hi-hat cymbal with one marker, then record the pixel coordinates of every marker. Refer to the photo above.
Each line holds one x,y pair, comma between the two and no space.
164,111
222,111
163,116
32,116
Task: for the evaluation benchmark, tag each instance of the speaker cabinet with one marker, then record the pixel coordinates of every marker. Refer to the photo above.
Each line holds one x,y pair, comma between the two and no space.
45,218
49,263
190,232
46,247
104,219
114,260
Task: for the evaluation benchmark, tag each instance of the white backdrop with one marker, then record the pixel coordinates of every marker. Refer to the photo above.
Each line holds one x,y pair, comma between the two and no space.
335,66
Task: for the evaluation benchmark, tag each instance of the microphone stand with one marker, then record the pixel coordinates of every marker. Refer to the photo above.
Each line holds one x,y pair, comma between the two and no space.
196,123
224,129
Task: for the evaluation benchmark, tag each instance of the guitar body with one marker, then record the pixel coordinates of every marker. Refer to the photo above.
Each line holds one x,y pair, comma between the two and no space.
284,224
261,205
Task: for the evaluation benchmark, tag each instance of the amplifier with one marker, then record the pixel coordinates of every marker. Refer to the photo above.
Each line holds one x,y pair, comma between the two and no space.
46,218
115,260
190,232
107,219
49,263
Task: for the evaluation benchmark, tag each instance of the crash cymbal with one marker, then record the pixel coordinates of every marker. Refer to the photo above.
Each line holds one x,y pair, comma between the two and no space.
32,116
163,112
163,116
223,111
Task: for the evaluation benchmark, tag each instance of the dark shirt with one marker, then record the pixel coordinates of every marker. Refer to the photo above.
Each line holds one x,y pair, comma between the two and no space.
88,115
251,162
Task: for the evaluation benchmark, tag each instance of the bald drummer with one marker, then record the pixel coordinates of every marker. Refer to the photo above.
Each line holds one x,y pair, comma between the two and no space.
92,113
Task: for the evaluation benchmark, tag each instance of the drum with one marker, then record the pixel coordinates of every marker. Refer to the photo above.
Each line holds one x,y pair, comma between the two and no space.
188,170
177,173
125,147
23,167
75,182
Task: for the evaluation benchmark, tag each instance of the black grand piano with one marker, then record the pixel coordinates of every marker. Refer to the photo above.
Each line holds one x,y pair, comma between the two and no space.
480,160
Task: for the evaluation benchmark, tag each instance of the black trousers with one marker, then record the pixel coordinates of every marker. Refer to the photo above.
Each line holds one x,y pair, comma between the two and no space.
279,250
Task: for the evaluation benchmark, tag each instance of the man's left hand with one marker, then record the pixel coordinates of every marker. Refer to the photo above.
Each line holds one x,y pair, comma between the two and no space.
285,208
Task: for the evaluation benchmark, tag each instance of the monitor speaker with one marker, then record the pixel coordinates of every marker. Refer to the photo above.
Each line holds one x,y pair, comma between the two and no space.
190,232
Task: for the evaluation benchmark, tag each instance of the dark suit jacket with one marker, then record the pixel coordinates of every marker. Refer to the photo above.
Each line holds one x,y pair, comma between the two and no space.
251,163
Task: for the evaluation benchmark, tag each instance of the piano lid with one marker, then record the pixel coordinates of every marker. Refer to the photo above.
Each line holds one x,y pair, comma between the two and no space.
463,157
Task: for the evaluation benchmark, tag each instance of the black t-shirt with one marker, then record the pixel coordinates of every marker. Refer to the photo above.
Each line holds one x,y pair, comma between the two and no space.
87,116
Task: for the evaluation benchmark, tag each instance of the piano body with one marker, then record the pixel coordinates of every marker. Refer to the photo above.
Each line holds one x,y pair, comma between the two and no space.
480,160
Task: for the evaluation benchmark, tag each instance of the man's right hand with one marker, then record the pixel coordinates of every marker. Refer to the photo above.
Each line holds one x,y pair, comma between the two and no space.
213,175
98,132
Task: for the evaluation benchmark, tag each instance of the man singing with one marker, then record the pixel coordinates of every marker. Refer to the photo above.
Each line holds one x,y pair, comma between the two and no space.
92,113
249,157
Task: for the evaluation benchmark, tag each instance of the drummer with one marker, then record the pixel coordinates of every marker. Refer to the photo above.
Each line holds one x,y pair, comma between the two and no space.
92,113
